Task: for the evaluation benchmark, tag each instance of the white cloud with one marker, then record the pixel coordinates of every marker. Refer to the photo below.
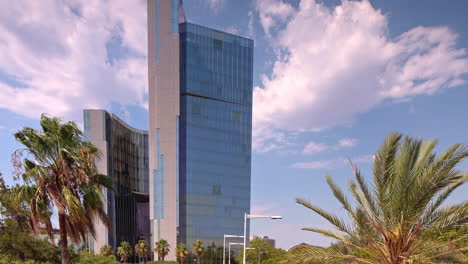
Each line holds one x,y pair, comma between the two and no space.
331,163
347,142
57,52
233,30
363,159
272,12
250,25
262,208
335,63
313,147
268,139
216,5
317,164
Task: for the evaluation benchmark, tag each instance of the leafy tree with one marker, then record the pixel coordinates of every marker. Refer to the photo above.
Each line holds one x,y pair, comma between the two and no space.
162,249
88,258
142,250
219,254
124,251
106,250
210,256
22,246
17,244
59,170
198,248
11,208
262,252
181,253
400,219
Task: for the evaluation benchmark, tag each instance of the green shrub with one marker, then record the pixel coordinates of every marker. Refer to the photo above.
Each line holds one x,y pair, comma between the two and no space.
163,262
9,260
16,244
106,250
88,258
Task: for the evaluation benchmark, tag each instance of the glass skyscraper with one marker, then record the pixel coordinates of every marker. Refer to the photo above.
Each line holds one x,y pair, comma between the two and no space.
214,133
188,177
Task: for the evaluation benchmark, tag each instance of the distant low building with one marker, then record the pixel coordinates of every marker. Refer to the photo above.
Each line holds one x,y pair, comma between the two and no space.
264,239
42,234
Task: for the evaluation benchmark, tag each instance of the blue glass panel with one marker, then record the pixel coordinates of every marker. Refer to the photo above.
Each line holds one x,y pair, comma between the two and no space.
175,16
158,184
215,133
157,30
87,125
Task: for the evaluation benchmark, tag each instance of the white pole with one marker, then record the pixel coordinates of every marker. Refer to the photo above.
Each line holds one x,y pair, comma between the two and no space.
245,237
224,250
229,254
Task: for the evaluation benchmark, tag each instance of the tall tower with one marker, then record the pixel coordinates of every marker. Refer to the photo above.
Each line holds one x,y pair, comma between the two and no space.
200,128
164,97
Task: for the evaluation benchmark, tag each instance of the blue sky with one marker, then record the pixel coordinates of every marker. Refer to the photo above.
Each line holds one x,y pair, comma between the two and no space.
331,79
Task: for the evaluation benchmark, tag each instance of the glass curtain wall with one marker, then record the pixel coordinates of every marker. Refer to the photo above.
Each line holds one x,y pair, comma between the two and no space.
127,165
215,133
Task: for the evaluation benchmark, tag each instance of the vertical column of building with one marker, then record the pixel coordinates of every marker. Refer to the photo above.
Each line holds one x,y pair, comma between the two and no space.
163,74
95,132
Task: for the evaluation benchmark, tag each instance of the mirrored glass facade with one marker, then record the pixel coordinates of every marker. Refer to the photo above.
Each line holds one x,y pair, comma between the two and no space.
215,129
125,154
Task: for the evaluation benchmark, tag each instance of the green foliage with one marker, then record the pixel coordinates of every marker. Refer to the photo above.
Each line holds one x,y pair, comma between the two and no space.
162,249
262,252
214,254
22,246
88,258
11,208
181,253
8,260
59,171
162,262
142,250
198,248
124,251
106,250
400,219
17,245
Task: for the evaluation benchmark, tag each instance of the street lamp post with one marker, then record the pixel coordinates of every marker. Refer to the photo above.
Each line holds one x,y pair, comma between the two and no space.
224,245
249,216
229,253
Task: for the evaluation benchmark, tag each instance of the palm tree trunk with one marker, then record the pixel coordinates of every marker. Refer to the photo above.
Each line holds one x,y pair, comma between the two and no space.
199,259
63,239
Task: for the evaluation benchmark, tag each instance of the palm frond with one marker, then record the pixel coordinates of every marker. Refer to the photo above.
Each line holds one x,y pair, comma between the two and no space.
333,219
400,219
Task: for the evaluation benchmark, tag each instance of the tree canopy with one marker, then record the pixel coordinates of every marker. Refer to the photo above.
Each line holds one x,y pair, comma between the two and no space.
402,216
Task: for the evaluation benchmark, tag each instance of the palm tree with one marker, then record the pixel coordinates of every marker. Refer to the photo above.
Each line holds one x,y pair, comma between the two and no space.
59,170
141,249
198,248
181,253
400,219
106,250
162,249
124,251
